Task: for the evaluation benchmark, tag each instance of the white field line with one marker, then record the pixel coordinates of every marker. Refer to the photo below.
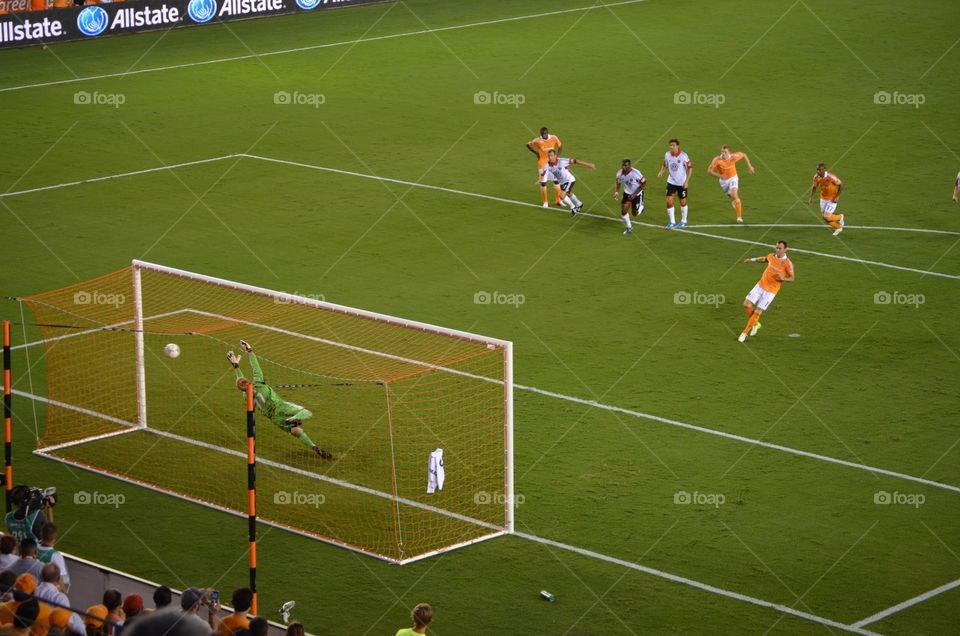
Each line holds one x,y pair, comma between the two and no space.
67,184
908,603
314,47
488,197
739,438
110,327
824,225
706,587
370,491
606,407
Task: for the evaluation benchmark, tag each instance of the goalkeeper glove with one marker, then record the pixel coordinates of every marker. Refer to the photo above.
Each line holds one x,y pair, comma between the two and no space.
246,346
234,359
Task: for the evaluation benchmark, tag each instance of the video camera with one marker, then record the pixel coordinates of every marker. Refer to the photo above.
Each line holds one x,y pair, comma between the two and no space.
24,496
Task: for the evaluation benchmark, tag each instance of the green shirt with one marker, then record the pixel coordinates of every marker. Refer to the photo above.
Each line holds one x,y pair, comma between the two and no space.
408,632
266,399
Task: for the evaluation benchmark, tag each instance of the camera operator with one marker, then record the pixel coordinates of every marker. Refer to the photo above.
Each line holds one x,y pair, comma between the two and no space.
27,521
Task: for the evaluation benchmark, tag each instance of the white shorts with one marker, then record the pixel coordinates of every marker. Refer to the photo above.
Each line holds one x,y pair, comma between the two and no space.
827,207
732,182
544,176
760,297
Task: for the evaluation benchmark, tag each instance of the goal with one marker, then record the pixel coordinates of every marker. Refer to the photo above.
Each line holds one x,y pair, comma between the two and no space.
384,394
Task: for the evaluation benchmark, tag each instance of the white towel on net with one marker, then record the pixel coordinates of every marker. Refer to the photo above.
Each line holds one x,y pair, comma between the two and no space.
435,474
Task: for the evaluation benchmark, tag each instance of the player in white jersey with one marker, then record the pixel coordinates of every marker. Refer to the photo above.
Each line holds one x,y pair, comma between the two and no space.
632,201
677,163
956,188
558,169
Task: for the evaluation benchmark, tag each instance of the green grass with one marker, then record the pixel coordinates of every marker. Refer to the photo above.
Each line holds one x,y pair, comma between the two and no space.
863,382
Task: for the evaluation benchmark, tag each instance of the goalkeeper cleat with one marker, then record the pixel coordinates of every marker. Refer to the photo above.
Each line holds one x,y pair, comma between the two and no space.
246,346
322,453
755,329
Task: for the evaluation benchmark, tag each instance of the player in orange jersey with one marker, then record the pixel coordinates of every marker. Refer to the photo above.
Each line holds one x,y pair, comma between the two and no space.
779,270
830,187
724,168
540,146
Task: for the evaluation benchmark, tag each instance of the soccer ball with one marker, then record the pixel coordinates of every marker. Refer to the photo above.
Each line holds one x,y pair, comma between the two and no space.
171,350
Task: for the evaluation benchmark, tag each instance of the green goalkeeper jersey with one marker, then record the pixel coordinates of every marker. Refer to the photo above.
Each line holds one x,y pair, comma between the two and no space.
266,399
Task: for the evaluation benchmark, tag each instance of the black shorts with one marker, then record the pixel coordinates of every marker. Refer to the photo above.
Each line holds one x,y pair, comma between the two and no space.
636,202
567,187
676,189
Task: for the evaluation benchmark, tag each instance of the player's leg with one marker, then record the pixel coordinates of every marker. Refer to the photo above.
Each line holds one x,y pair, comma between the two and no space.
670,213
625,206
683,208
301,435
542,178
637,204
736,202
750,304
558,193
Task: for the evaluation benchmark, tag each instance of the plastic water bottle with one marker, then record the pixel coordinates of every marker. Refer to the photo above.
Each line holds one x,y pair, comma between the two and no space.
547,596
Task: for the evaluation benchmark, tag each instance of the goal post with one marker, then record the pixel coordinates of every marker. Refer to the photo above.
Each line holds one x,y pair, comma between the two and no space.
389,398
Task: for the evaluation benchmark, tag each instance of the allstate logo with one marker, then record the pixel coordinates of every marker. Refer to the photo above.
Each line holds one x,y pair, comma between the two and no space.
92,20
201,11
306,5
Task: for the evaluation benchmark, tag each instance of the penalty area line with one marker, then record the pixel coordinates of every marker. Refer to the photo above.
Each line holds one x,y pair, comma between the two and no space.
908,603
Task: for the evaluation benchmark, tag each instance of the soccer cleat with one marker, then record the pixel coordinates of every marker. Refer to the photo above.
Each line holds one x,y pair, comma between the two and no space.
681,225
546,205
629,230
670,226
739,219
837,231
742,337
322,453
558,202
755,329
576,210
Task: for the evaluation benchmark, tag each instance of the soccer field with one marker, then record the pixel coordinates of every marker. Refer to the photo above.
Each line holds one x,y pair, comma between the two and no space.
670,478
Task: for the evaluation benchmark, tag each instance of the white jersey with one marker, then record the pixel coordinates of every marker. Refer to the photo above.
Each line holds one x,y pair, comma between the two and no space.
559,172
678,166
630,181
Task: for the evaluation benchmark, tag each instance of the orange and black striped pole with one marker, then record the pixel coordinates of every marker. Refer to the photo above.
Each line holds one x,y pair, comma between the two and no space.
7,414
252,494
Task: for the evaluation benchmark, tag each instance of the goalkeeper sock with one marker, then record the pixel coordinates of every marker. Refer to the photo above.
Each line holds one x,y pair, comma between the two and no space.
305,439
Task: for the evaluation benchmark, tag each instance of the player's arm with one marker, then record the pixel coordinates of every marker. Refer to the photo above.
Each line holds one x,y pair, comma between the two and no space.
813,190
839,188
756,259
581,162
663,166
686,183
639,192
559,146
234,360
710,169
616,186
956,189
789,278
532,149
749,165
254,363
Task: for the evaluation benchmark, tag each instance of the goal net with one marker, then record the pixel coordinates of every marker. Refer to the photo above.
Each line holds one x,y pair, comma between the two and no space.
379,393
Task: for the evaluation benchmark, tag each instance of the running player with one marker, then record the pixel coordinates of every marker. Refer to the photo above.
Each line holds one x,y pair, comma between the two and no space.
558,168
540,145
956,188
830,187
287,416
632,202
779,270
677,163
724,168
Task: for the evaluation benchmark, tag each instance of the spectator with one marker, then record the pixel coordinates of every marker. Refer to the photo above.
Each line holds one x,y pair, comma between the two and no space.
60,623
46,553
132,607
421,615
168,622
93,621
295,629
113,601
259,626
23,620
241,599
23,590
193,598
7,579
51,590
27,563
162,597
8,551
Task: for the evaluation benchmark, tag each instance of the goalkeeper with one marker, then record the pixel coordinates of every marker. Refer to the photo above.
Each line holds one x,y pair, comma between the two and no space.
286,415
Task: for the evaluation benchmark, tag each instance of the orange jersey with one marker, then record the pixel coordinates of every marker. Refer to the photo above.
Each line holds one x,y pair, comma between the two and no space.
726,167
781,267
829,186
542,146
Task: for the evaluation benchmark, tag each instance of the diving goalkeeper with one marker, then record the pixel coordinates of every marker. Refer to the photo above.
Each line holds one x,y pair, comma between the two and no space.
286,415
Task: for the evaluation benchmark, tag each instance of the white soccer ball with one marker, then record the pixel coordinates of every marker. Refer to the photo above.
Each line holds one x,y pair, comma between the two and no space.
171,350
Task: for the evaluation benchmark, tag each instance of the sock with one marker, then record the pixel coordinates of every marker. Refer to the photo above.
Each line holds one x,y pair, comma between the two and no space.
543,193
568,201
754,319
576,201
626,221
749,311
671,215
739,207
305,439
683,214
557,191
